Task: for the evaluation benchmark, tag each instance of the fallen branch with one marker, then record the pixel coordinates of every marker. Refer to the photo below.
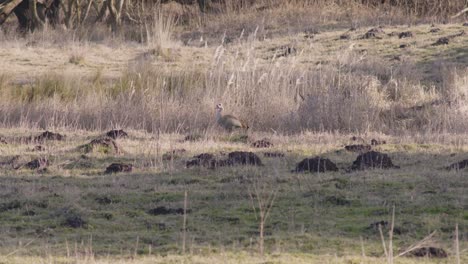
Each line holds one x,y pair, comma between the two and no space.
460,13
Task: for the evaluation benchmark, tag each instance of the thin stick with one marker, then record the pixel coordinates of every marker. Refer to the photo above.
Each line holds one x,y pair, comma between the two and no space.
419,244
135,253
460,13
390,238
363,252
383,241
457,245
185,223
68,248
16,250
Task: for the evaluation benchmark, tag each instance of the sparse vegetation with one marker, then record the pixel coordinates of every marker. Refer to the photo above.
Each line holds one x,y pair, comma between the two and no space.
356,149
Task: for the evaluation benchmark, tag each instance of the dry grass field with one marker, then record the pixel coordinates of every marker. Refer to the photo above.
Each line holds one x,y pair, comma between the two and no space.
307,77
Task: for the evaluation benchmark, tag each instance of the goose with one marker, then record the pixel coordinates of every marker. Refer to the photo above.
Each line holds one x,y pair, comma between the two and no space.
228,122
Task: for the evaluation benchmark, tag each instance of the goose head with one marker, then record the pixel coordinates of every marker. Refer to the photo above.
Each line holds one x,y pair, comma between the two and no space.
219,108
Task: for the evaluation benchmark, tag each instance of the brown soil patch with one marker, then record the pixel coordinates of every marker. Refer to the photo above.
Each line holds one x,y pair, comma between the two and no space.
36,164
38,148
263,143
431,252
441,41
244,158
373,159
47,135
162,210
316,164
406,34
117,133
375,142
458,165
374,33
234,158
119,167
358,148
204,160
345,37
445,40
273,154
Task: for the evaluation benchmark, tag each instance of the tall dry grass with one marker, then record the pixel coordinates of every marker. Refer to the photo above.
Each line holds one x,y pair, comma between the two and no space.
349,94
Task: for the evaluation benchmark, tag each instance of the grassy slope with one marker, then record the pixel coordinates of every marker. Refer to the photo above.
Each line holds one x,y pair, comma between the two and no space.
22,61
319,214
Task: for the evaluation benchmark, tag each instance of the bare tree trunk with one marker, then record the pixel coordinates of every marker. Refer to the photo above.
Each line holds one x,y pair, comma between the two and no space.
115,10
262,232
6,9
36,20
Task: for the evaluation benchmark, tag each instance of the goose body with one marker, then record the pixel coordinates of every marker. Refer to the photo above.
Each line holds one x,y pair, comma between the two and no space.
228,122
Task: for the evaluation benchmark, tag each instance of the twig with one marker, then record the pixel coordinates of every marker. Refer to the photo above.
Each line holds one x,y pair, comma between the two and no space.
383,241
417,245
185,223
363,252
16,250
457,245
390,238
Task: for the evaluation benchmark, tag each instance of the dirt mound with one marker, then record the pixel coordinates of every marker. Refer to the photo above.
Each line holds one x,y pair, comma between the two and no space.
358,148
458,165
244,158
47,135
263,143
38,148
373,33
174,154
373,159
3,140
104,145
204,160
441,41
445,40
273,154
431,252
40,163
119,167
434,30
375,142
316,164
117,133
406,34
234,158
162,210
345,36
